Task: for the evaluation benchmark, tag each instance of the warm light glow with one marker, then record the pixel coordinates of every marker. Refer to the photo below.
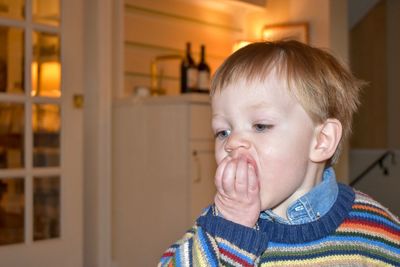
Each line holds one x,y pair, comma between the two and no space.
286,31
34,77
268,34
240,44
49,76
46,117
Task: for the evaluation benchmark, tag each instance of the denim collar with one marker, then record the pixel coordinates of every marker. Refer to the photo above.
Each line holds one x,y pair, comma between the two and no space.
312,205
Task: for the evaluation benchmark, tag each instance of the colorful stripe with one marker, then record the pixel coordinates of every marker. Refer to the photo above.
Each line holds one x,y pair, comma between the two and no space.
343,260
205,254
369,229
235,255
371,218
368,236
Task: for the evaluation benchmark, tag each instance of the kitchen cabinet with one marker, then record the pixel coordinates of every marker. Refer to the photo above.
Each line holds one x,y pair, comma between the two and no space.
163,173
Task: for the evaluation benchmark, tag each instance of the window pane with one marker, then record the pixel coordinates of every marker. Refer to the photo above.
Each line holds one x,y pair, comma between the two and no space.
46,12
12,9
46,207
46,67
11,135
12,210
11,60
46,135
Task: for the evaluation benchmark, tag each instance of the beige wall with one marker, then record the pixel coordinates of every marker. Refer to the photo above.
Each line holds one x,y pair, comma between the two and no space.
97,132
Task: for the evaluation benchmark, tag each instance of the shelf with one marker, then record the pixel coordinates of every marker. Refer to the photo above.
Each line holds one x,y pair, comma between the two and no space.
166,100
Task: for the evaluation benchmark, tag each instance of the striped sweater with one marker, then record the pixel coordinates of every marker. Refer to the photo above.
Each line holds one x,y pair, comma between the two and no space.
357,231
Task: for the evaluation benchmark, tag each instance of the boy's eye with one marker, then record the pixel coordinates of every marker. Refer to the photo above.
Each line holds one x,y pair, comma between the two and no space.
262,127
223,134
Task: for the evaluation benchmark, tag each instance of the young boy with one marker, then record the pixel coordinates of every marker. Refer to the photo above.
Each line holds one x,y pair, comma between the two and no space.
280,114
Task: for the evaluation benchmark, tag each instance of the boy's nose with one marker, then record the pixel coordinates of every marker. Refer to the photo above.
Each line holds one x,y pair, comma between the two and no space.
236,142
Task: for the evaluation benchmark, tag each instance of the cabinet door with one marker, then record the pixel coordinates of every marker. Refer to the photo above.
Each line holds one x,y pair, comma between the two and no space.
200,122
203,168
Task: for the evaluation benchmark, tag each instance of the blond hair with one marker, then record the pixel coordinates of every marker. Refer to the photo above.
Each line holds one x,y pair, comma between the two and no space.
323,86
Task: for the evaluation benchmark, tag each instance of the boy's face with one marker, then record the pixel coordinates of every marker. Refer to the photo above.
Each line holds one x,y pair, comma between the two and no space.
262,122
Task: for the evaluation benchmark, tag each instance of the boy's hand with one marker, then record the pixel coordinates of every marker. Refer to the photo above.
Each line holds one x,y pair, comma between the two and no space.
238,189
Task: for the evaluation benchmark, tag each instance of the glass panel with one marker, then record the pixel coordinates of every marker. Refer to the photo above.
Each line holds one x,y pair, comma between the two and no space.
12,210
46,68
11,60
46,135
11,135
46,207
13,9
46,11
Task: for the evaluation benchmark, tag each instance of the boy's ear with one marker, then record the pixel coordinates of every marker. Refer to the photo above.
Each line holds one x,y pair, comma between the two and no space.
327,137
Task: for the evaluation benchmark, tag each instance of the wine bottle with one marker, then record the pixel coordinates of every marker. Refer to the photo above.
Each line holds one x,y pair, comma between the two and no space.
203,80
188,72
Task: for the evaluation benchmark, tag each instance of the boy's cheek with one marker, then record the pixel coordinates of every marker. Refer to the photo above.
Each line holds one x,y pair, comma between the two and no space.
219,159
220,154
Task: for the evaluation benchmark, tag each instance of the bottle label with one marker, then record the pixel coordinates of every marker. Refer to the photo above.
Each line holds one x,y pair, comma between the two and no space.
204,81
191,78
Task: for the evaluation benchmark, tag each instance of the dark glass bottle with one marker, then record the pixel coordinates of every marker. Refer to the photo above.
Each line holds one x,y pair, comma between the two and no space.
203,79
188,72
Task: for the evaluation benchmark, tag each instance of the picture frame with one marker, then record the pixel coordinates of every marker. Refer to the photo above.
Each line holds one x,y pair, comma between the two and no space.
286,31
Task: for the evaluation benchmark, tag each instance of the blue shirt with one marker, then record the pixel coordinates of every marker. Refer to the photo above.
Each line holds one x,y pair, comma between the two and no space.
312,205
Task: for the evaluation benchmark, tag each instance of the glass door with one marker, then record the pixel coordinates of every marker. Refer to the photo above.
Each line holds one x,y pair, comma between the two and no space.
33,139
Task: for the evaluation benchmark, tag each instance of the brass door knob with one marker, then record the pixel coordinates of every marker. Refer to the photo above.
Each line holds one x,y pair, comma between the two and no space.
78,100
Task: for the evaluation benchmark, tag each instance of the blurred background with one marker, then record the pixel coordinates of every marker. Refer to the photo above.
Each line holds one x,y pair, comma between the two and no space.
106,150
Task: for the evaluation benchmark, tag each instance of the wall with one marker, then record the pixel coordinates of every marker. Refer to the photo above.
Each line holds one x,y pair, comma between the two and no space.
358,9
97,138
370,123
393,61
384,188
377,125
154,28
315,12
375,58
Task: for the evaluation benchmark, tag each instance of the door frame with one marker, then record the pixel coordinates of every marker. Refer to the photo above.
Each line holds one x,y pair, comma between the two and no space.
102,50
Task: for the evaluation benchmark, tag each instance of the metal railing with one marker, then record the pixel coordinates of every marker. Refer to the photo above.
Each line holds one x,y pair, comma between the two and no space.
378,162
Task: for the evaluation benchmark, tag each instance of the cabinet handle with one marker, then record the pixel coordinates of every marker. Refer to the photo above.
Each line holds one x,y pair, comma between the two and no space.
196,158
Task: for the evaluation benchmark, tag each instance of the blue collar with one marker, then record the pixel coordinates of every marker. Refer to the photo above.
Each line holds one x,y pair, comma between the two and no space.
312,205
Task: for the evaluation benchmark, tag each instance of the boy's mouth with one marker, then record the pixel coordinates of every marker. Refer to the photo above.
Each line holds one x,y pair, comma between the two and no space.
250,161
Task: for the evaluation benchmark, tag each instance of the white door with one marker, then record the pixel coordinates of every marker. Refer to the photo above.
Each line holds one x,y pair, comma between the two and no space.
40,133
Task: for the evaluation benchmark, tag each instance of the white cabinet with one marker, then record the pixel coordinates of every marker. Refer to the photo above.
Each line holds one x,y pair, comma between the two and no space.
163,173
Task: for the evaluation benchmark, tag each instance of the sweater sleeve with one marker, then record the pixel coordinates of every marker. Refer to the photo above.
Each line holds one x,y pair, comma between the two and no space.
215,241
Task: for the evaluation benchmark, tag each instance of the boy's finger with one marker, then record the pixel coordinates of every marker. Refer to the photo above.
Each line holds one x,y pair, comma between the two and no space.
253,182
241,177
219,172
228,178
